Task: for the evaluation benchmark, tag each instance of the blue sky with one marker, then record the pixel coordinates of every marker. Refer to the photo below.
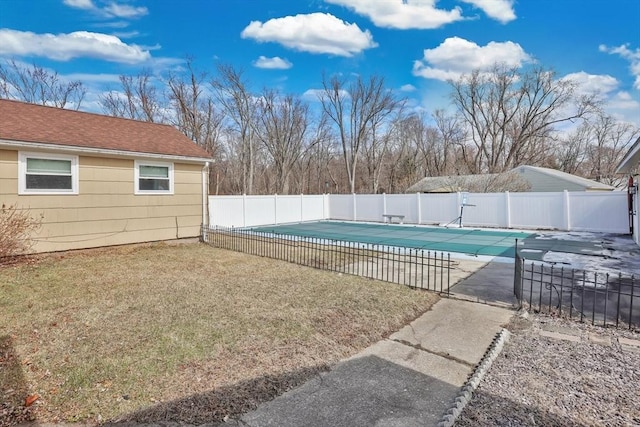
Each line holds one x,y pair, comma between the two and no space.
287,44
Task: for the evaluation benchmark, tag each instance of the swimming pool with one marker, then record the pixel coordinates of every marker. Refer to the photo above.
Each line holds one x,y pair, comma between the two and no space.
471,241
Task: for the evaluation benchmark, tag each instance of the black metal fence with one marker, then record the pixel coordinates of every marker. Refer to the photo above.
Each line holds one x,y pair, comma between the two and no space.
415,268
599,298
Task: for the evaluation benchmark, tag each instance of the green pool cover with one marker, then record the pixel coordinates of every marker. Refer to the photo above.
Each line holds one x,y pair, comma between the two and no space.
470,241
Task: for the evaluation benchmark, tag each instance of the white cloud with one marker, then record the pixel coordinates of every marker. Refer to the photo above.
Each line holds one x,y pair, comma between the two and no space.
630,55
456,56
312,94
318,94
111,10
623,107
275,63
403,14
63,47
125,11
619,104
500,10
126,34
113,24
623,101
80,4
598,84
87,78
314,33
407,88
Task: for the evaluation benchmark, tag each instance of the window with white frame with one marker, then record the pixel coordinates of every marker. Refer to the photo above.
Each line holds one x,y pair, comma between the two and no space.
154,178
44,173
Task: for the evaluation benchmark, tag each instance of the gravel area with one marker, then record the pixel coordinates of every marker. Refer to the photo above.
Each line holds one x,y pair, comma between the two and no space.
555,372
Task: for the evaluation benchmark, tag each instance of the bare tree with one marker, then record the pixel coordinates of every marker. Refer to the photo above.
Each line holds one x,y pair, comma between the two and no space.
608,144
512,113
316,165
36,85
375,149
138,99
283,124
570,152
194,111
403,162
356,108
232,93
450,139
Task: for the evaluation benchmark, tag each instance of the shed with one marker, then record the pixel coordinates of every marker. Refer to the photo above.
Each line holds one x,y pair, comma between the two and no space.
98,180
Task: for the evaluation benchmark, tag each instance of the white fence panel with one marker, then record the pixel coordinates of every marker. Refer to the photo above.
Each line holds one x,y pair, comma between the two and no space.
537,210
314,208
402,204
369,207
341,207
438,208
260,210
601,212
287,209
489,210
598,212
249,211
227,211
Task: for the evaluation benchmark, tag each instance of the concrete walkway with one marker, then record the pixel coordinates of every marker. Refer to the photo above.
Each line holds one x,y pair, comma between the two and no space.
490,284
409,379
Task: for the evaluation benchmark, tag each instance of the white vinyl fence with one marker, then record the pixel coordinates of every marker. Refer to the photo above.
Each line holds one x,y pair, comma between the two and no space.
250,211
579,211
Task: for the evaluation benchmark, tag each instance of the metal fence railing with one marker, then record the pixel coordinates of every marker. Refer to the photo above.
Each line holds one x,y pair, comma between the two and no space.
600,298
415,268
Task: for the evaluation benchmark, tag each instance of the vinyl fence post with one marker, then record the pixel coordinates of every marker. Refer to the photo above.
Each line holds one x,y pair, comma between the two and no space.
419,208
275,208
355,210
244,210
384,204
507,202
301,207
566,210
326,207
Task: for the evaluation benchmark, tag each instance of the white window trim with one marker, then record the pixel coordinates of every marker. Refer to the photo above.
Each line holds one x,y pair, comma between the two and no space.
136,183
22,173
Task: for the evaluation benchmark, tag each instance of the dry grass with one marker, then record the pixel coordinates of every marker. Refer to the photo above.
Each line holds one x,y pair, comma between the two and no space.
188,332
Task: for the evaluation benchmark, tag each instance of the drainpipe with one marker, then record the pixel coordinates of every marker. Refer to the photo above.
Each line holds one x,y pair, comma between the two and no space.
205,198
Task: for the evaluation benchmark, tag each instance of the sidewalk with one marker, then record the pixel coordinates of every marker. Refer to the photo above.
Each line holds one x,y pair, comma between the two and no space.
408,379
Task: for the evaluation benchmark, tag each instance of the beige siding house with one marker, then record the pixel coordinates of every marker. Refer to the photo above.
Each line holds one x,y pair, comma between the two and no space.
99,180
630,165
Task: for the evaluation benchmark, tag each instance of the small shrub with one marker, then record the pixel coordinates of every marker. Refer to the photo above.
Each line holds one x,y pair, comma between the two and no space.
16,228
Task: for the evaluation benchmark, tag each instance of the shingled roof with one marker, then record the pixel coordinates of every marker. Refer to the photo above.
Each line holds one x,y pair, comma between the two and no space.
60,128
521,178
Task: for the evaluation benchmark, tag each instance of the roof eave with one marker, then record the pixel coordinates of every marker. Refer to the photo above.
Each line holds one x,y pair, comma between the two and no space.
104,152
631,159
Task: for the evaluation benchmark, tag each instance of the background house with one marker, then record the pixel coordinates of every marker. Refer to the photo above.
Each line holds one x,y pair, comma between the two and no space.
545,179
630,165
521,178
99,180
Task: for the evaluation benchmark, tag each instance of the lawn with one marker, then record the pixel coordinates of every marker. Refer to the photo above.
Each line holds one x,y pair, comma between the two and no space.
183,333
